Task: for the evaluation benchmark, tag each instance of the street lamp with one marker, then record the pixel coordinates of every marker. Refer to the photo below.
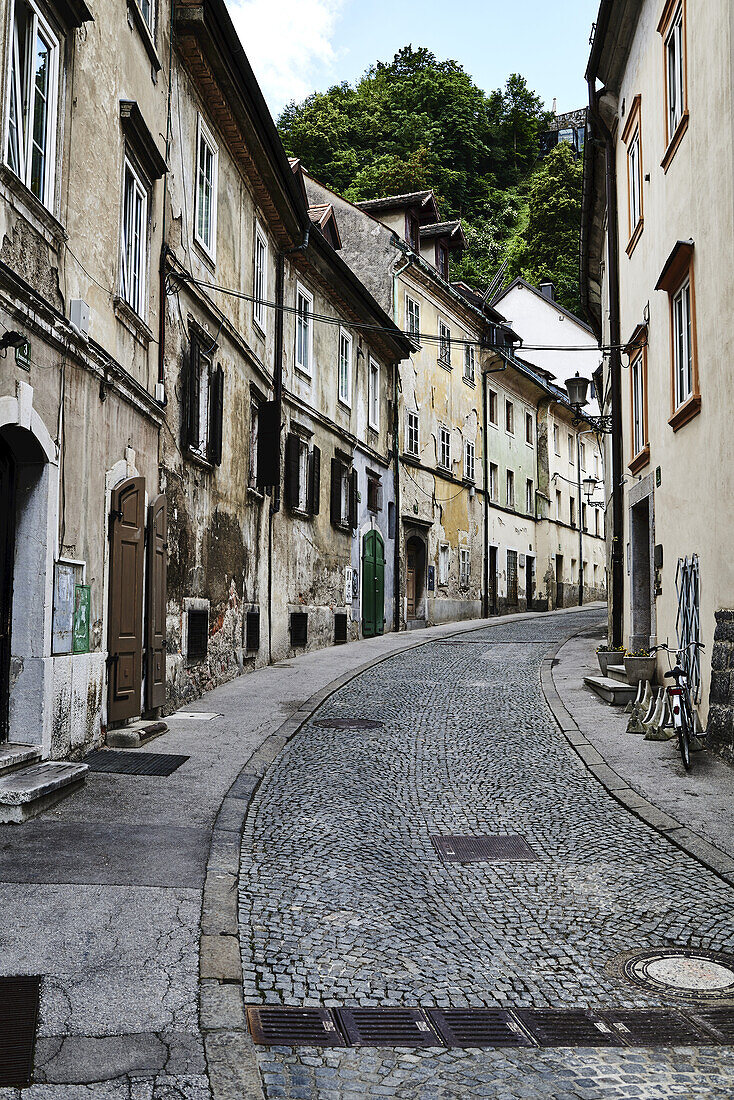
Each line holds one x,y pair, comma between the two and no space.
577,389
590,484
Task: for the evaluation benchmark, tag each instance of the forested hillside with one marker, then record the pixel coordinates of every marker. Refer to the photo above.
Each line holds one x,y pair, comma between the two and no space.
418,122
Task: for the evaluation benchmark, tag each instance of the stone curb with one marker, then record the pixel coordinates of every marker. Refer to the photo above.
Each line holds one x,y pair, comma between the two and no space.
230,1053
689,842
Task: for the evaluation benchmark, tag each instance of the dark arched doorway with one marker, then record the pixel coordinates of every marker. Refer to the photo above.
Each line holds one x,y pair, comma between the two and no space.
373,584
415,580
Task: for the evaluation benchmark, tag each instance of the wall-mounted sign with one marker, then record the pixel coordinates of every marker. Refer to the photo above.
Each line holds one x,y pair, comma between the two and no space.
348,583
23,355
355,585
82,603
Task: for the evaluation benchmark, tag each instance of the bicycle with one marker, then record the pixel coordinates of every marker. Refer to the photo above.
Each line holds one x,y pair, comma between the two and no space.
680,699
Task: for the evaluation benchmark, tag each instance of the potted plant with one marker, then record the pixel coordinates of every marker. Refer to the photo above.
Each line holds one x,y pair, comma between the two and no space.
609,654
639,665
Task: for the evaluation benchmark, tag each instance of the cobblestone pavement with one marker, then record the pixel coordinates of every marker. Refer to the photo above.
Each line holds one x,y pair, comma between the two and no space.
344,901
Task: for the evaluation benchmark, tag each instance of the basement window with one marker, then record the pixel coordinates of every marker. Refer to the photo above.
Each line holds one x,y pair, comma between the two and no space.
340,628
299,629
197,634
252,631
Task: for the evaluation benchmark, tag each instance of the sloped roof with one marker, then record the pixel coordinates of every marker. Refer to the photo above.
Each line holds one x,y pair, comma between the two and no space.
452,230
519,282
323,216
425,200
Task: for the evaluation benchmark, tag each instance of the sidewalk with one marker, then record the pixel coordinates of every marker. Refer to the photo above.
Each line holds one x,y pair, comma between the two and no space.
697,804
103,895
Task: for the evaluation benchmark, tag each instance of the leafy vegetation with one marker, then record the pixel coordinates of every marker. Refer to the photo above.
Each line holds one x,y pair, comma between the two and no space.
417,122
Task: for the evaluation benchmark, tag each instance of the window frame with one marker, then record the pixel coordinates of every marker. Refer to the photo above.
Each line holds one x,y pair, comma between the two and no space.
411,417
205,135
571,449
632,138
674,16
509,416
444,447
140,306
305,369
470,364
464,566
254,436
678,272
258,302
640,446
444,344
529,496
493,395
510,483
494,482
444,564
529,429
412,305
344,393
470,460
556,440
373,406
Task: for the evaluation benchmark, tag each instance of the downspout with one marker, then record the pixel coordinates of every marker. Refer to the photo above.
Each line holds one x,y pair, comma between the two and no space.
164,244
485,448
615,367
396,454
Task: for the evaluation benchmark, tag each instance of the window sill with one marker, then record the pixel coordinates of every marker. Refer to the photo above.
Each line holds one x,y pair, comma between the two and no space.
686,412
32,209
470,382
301,513
640,460
345,405
135,325
259,329
636,234
258,494
144,31
344,527
446,366
303,373
203,252
675,142
199,460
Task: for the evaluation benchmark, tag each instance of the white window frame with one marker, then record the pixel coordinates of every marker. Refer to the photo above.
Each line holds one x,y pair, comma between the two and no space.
529,424
412,429
635,178
469,363
530,496
260,277
556,440
571,450
559,506
304,324
682,344
494,479
675,80
303,456
469,457
137,302
464,566
510,489
40,28
638,404
412,316
344,487
373,396
582,455
444,344
345,368
204,134
444,447
496,422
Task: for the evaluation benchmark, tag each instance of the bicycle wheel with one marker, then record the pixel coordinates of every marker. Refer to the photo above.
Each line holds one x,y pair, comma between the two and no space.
684,733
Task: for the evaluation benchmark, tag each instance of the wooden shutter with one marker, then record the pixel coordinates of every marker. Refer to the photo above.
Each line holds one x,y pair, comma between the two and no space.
353,499
292,447
191,418
314,488
216,415
379,585
268,444
125,632
336,492
157,560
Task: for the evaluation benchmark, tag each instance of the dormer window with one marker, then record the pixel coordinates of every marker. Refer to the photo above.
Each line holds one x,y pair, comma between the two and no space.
442,261
412,231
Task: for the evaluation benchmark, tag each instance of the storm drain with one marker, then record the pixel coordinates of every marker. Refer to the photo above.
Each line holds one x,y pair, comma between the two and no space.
348,724
719,1022
126,762
656,1028
482,849
387,1027
478,1027
18,1017
569,1027
293,1027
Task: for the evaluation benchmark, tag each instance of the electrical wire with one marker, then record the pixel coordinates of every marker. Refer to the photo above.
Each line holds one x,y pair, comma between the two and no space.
432,496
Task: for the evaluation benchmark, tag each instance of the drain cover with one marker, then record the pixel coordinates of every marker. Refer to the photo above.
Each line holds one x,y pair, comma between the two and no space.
478,1027
719,1021
484,849
126,762
18,1016
348,724
272,1025
700,976
567,1027
387,1027
657,1028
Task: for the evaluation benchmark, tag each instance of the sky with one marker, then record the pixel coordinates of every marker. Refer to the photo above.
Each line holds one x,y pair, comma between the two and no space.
299,46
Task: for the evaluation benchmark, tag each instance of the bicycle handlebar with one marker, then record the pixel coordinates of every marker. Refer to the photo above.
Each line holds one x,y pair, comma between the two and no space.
667,649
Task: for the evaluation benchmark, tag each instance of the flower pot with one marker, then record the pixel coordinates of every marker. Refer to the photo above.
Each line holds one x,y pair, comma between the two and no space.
608,657
640,668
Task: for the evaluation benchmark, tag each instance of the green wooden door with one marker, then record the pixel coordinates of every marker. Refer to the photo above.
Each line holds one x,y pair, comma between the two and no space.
373,584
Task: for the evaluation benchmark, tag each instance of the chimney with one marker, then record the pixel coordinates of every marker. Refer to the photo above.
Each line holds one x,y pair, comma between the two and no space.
548,290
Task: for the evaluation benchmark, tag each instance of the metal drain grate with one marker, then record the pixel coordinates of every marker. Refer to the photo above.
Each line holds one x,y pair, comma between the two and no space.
18,1017
478,1027
293,1027
719,1021
656,1028
485,849
348,724
387,1027
126,762
568,1027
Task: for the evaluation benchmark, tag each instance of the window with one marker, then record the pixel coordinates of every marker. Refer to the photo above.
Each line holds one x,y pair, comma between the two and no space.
596,465
510,489
556,440
412,231
197,634
345,367
509,417
444,344
413,314
443,563
529,428
494,476
299,629
146,10
304,331
442,261
512,577
675,84
374,493
596,523
205,212
571,448
469,362
302,475
411,433
583,518
205,400
676,279
529,497
635,185
373,401
682,345
134,241
559,505
638,380
344,493
469,461
260,282
254,435
582,454
34,77
252,631
493,407
444,448
464,566
632,137
572,510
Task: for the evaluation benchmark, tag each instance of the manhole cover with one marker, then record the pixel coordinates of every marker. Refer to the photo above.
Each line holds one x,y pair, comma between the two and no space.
387,1027
478,1027
700,976
126,762
18,1016
293,1027
348,724
482,849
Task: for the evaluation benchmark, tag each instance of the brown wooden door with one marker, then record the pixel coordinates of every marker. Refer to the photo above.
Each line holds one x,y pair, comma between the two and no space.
411,584
125,637
155,611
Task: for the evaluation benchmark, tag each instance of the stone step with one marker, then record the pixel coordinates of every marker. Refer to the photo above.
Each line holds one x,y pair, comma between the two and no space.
617,672
30,790
135,734
611,691
415,624
14,756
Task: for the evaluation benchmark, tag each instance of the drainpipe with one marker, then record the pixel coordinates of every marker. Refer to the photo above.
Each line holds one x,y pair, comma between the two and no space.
396,453
615,367
485,448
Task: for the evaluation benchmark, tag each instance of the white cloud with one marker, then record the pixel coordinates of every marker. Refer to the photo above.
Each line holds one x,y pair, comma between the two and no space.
288,44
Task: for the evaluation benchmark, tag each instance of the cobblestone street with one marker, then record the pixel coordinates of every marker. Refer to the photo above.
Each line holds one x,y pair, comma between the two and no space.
344,900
